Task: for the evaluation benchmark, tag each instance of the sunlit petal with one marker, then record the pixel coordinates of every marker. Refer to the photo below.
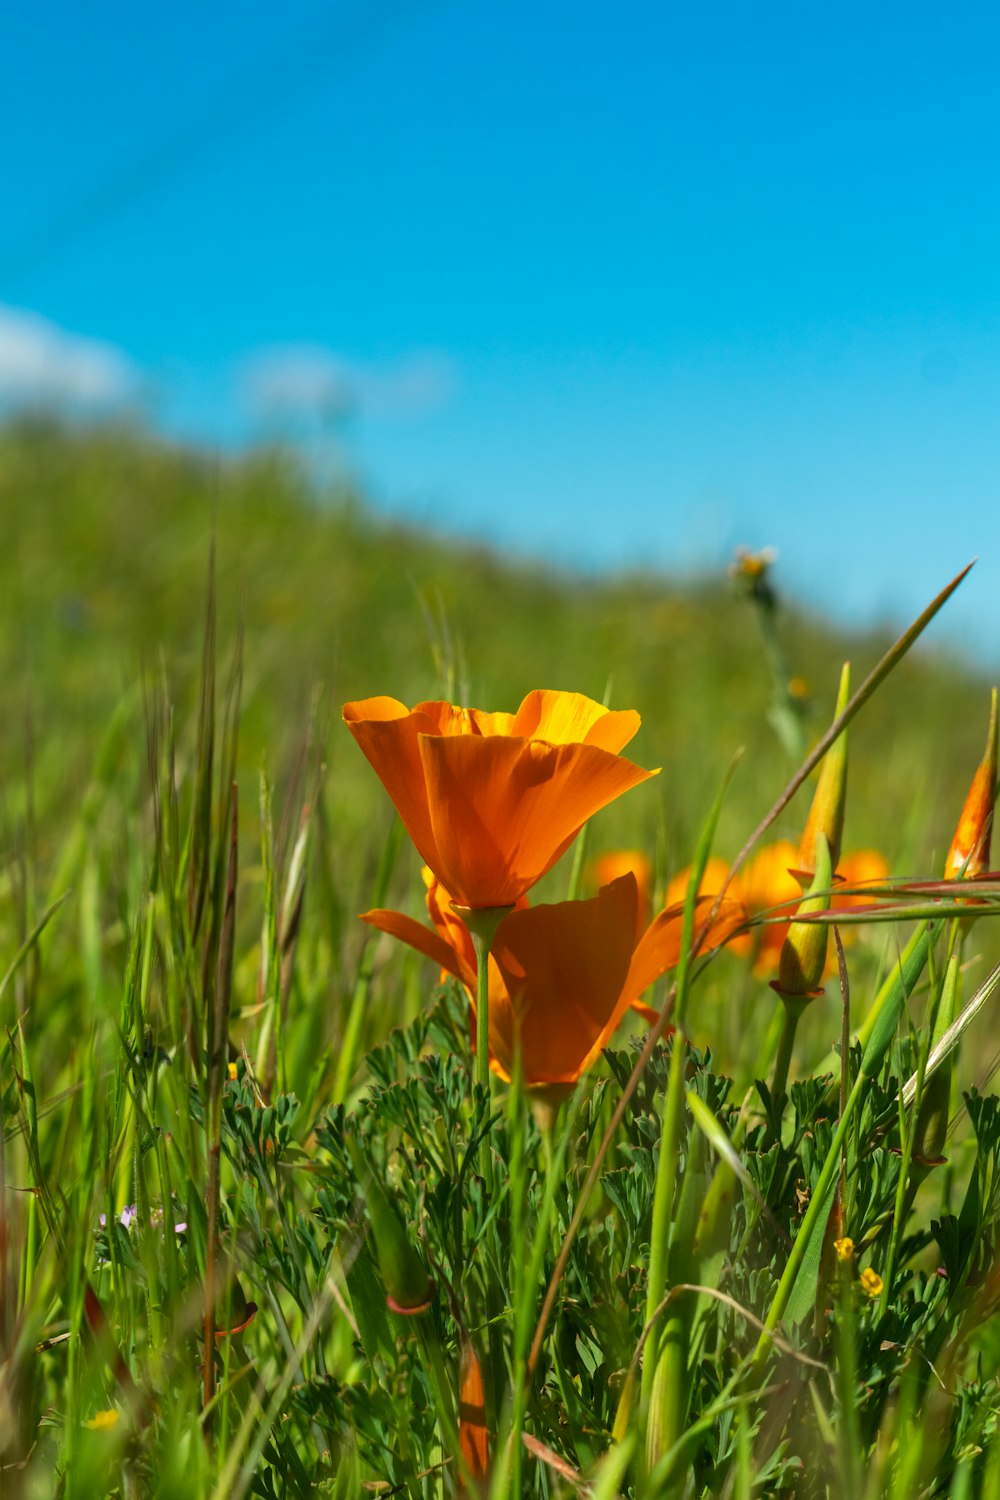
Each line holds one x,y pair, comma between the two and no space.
572,718
504,810
431,944
564,968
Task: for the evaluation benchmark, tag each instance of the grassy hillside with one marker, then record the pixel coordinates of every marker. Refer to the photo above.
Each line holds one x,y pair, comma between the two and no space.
105,540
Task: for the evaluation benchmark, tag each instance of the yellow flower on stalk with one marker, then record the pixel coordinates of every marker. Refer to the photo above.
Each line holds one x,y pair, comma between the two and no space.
844,1248
752,566
492,800
871,1283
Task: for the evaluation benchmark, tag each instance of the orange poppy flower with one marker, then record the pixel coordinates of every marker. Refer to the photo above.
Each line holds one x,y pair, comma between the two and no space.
762,884
766,882
561,976
492,801
862,867
563,969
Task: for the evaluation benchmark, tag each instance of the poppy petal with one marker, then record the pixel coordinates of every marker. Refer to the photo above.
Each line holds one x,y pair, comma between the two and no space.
608,867
417,936
503,810
564,968
572,718
388,733
450,719
659,948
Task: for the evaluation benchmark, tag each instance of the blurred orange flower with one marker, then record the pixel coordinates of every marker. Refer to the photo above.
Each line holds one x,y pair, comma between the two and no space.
762,884
859,868
561,976
607,867
492,800
766,883
765,887
714,874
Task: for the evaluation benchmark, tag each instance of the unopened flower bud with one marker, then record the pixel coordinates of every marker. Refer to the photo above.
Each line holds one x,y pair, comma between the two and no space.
803,953
409,1289
969,854
826,815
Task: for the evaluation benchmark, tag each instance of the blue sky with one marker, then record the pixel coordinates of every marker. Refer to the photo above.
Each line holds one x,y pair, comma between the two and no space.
613,284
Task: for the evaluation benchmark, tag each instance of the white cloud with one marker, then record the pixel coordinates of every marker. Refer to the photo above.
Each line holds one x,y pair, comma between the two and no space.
42,363
299,379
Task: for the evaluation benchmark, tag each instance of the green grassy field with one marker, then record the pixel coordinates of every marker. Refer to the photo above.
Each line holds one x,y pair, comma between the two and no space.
104,566
198,1031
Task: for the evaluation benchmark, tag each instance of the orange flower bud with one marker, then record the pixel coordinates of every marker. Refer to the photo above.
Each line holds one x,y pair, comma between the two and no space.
969,854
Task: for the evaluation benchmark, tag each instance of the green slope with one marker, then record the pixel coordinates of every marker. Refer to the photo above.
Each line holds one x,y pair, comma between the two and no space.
106,537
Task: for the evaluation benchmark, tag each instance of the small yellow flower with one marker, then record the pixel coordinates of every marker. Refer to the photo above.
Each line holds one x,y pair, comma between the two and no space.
844,1248
232,1072
871,1282
798,687
752,565
103,1420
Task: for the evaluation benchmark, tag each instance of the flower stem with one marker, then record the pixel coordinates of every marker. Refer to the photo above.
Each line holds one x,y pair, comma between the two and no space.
792,1012
819,1206
482,923
849,1437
